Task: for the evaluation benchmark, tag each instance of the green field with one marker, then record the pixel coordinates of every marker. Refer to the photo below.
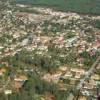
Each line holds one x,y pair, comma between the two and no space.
81,6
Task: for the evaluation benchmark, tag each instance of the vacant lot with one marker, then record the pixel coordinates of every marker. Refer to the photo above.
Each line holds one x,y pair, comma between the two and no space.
81,6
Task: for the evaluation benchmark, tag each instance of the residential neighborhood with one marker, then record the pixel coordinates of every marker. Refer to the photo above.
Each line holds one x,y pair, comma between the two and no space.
51,54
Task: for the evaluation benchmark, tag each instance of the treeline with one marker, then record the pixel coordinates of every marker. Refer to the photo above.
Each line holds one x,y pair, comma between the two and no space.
80,6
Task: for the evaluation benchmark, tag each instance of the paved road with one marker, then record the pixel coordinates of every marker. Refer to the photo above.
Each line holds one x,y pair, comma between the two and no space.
88,74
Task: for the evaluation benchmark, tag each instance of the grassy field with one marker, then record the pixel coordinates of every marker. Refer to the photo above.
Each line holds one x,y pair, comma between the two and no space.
81,6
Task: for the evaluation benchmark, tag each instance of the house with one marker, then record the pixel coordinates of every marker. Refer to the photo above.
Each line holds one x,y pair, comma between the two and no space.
82,98
88,86
1,47
52,77
44,39
81,49
20,78
18,85
47,77
8,92
67,75
24,42
72,40
80,71
77,76
2,71
55,77
19,81
96,45
95,77
63,68
86,93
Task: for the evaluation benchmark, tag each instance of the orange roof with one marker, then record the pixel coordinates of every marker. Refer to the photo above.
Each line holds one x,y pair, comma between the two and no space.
17,85
2,70
22,77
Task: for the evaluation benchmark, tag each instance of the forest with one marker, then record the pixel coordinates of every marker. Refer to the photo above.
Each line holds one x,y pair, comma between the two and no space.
80,6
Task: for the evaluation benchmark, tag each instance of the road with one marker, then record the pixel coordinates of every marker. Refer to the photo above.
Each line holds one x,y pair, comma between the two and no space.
88,74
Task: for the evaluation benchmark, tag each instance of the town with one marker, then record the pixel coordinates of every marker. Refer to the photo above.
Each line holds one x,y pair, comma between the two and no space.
48,55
